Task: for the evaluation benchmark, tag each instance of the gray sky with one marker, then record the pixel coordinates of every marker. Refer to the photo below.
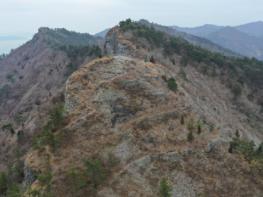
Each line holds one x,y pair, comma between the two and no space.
24,17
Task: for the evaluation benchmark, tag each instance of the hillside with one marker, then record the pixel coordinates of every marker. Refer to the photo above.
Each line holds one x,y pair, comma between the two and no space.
196,41
32,80
151,115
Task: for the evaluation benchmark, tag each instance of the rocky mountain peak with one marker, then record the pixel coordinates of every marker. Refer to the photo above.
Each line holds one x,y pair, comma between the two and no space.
149,112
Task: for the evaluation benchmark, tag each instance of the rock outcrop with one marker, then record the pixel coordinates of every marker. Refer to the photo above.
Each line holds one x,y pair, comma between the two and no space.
120,109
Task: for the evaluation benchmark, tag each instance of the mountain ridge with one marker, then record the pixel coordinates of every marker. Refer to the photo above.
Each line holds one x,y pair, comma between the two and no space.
142,111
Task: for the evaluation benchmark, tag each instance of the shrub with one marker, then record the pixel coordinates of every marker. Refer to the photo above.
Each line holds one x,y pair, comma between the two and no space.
165,189
237,134
2,56
259,150
184,61
190,125
20,136
93,175
95,172
8,127
172,85
19,118
10,181
236,90
190,136
211,127
10,77
199,127
16,172
112,161
76,179
243,147
146,59
173,61
34,193
257,164
248,150
45,178
182,120
48,137
182,74
3,182
14,191
152,60
56,117
71,68
4,92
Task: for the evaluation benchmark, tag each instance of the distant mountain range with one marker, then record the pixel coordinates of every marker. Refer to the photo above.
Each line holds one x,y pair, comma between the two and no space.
244,39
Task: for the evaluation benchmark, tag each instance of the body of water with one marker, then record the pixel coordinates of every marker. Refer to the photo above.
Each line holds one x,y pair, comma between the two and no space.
7,43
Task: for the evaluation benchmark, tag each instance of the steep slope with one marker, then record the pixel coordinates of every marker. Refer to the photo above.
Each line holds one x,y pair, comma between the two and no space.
179,123
32,80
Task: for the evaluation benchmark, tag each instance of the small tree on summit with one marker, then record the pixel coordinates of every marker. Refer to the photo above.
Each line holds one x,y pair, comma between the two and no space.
125,25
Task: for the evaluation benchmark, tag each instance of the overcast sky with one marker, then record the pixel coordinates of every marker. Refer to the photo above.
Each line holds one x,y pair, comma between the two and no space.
24,17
